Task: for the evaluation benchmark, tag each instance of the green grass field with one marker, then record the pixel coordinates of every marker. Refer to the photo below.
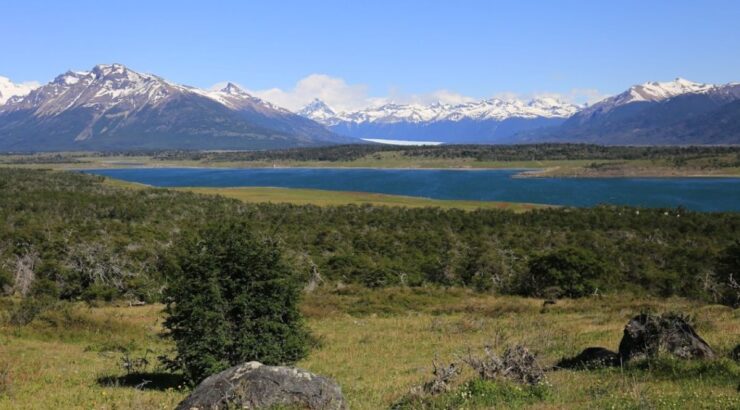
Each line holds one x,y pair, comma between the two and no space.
377,344
326,198
334,198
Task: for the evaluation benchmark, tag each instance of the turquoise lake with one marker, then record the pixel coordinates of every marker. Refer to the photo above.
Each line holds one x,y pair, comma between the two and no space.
702,194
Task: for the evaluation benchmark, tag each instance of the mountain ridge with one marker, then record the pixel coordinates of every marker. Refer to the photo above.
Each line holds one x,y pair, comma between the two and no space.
485,121
114,107
665,117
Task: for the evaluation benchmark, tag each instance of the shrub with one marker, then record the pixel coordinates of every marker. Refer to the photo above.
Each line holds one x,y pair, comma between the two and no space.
574,271
6,281
42,296
728,275
479,393
231,299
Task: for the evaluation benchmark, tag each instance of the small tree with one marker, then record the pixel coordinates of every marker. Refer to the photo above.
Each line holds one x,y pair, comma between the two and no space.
574,271
231,299
728,275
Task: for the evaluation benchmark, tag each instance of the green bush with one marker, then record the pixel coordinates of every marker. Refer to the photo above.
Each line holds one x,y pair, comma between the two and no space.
97,241
574,271
231,299
6,281
43,296
728,275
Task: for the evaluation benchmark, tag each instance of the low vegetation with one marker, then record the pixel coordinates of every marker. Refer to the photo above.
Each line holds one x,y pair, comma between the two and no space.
560,160
483,153
380,344
95,273
72,237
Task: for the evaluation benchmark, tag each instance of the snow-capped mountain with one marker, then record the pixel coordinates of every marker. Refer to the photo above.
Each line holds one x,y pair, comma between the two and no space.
675,112
9,89
114,107
493,109
266,114
235,97
318,111
650,92
480,121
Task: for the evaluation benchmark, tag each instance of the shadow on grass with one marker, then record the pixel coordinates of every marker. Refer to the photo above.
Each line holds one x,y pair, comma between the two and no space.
144,381
720,371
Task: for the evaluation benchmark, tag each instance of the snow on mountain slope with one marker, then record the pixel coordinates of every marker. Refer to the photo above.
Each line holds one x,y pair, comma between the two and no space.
104,87
9,89
492,109
676,112
118,104
650,92
318,111
235,97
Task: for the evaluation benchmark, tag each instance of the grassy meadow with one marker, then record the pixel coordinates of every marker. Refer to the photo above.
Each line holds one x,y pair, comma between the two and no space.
334,198
297,196
378,344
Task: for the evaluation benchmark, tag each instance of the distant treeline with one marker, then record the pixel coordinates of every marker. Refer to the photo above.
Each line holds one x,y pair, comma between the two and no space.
679,155
72,236
532,152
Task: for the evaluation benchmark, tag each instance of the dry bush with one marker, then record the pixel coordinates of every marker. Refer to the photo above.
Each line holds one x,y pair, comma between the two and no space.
5,379
516,364
443,378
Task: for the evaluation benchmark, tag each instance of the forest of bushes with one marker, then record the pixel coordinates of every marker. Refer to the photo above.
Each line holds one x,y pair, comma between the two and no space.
71,236
531,152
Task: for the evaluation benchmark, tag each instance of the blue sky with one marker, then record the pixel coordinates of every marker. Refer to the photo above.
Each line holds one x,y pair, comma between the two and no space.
404,50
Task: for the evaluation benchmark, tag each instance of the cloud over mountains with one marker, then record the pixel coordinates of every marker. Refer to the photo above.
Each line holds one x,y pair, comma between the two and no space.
343,96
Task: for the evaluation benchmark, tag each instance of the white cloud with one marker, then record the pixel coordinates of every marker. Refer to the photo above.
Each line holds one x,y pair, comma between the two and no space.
332,90
441,96
30,84
341,96
574,96
578,95
9,89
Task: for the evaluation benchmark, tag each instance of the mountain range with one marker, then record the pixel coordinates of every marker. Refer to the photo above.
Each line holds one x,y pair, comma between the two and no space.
671,113
112,107
675,112
486,121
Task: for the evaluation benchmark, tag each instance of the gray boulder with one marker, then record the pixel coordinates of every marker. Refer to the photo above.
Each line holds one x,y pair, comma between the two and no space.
256,386
735,353
647,335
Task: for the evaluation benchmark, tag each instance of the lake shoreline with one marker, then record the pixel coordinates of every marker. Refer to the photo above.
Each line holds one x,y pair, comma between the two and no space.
525,172
489,185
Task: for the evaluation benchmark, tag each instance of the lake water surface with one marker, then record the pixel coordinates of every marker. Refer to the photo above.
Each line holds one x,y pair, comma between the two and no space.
703,194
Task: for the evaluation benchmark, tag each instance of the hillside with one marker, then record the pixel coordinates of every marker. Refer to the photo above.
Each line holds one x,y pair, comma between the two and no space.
672,113
112,107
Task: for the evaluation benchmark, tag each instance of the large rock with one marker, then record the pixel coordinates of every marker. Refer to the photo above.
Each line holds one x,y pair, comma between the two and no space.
647,335
256,386
735,353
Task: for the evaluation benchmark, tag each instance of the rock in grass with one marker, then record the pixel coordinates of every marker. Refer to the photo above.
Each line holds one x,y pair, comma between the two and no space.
591,358
647,335
256,386
735,354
